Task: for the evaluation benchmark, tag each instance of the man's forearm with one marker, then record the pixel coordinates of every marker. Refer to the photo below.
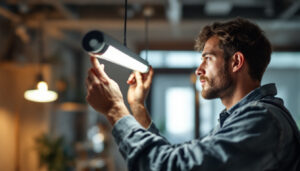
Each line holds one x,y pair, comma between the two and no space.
141,114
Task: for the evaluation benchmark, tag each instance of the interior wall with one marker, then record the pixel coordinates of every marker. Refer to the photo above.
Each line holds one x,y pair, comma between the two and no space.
21,121
7,145
287,82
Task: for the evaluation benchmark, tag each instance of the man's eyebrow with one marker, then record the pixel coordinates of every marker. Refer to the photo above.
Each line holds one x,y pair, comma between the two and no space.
208,53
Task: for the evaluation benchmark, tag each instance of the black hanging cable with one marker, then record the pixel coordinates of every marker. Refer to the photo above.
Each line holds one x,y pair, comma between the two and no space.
125,22
40,51
148,12
146,36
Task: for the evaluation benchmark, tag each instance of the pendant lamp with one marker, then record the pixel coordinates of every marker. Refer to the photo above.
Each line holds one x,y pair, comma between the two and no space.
41,93
103,46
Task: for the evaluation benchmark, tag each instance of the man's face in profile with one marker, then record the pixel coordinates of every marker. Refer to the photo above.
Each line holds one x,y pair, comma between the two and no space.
214,71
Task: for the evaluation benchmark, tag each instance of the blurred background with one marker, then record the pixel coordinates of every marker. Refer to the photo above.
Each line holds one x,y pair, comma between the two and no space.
41,39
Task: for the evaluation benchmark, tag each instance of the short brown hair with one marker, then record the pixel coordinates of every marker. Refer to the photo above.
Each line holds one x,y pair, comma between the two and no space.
243,36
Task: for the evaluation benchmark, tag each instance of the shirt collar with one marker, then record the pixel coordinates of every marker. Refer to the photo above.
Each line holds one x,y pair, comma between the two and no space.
256,94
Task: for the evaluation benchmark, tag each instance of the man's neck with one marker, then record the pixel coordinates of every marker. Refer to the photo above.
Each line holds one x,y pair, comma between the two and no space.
238,92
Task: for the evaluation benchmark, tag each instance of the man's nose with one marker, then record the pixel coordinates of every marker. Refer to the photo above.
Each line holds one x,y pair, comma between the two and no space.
200,71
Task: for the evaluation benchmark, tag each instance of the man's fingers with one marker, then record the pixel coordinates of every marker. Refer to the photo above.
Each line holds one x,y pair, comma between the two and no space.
92,77
131,79
138,78
149,77
95,62
102,66
96,65
141,79
99,69
99,77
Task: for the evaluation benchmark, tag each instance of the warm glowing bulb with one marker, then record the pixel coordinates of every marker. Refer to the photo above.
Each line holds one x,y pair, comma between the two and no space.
41,94
42,86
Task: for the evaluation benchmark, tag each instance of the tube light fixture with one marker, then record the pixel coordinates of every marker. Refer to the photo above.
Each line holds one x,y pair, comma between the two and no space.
101,45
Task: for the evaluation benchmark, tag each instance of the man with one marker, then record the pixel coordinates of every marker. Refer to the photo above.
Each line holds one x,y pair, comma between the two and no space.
251,134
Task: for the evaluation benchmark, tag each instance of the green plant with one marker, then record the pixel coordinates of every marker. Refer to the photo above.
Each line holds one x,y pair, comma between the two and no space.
51,153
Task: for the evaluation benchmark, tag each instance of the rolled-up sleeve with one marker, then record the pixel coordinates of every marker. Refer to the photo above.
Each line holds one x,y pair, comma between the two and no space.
236,146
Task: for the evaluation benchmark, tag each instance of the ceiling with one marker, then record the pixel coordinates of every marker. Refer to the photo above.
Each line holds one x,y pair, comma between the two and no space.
172,22
36,30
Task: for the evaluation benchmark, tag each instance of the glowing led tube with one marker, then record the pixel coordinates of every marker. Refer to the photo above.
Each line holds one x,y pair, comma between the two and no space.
100,45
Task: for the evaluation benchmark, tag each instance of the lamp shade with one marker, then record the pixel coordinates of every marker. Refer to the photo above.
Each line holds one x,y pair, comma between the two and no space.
101,45
41,94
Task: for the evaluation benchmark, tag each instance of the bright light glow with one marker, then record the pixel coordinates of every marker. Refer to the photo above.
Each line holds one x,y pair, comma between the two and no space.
285,60
182,59
217,7
173,59
41,94
179,106
98,144
118,57
98,138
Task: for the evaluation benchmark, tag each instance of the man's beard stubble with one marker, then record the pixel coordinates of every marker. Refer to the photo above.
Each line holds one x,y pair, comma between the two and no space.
216,90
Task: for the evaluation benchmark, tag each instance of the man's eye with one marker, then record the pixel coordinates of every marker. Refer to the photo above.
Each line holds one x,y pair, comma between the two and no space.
207,58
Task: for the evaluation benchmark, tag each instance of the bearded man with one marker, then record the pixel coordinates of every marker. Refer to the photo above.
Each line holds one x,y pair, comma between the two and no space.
253,132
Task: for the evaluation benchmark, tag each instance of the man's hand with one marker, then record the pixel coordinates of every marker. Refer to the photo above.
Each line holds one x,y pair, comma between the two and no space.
139,86
104,94
137,93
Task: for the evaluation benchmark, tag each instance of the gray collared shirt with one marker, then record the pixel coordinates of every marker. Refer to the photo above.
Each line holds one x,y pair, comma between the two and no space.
250,136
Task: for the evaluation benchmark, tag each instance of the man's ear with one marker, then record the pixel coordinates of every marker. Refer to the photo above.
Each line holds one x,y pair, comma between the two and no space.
238,61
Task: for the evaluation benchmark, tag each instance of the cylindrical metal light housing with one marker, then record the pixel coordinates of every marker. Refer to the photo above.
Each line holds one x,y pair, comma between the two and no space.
101,45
